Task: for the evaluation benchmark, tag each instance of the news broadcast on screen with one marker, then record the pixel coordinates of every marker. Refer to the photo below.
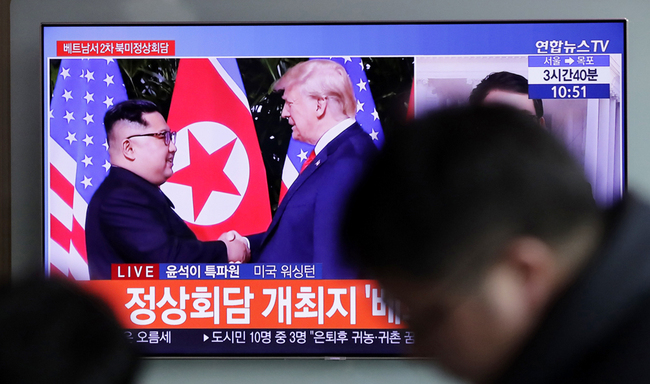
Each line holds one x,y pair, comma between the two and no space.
208,217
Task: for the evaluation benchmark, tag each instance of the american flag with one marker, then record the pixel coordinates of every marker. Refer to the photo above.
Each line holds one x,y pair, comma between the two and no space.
366,116
77,156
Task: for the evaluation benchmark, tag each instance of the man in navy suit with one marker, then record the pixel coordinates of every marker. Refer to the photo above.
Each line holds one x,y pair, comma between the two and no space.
320,106
129,219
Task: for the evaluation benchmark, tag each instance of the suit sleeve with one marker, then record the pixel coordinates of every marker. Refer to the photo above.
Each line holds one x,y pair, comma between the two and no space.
145,231
255,242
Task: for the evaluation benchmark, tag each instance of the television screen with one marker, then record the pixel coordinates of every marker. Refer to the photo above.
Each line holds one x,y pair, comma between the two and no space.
136,215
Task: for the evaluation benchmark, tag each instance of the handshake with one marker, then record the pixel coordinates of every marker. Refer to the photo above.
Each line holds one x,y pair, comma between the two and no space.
237,246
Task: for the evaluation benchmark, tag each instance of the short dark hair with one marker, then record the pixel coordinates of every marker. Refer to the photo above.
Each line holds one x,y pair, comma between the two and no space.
53,332
448,191
128,110
504,81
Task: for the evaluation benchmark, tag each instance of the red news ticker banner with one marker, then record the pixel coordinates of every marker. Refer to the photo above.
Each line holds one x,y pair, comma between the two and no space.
254,304
116,48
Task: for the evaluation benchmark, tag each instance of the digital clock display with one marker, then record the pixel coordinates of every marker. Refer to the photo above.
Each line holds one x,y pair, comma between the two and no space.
569,92
561,91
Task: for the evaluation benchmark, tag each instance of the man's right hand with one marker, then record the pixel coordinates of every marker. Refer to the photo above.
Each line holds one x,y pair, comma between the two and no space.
237,247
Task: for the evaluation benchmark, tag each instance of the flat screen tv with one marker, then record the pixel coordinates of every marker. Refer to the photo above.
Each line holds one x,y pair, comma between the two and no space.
236,161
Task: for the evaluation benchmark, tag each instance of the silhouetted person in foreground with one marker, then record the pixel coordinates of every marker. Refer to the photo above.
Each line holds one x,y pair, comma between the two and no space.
52,332
481,223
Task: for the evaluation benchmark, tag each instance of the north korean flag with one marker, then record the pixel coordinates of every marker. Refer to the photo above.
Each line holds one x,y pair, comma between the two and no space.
219,180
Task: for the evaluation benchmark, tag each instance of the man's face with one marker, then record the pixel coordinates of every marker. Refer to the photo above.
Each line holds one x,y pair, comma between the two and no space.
470,332
513,99
154,158
300,110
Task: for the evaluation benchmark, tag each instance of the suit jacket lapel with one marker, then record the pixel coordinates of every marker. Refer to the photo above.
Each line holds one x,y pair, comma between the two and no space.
318,162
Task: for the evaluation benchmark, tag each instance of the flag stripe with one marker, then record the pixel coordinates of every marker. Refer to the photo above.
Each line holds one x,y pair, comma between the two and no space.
60,210
60,234
62,161
61,186
231,83
78,265
56,272
78,239
289,173
79,210
59,258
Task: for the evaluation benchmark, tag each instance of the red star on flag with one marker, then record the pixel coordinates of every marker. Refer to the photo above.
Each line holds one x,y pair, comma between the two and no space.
206,173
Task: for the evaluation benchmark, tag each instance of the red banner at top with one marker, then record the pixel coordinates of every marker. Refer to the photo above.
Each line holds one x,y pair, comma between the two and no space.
116,48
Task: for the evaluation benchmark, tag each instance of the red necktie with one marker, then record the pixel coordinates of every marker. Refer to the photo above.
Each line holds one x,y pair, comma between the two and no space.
311,157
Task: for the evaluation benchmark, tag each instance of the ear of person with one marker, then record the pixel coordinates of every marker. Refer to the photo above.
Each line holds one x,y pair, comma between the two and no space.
526,276
128,150
321,106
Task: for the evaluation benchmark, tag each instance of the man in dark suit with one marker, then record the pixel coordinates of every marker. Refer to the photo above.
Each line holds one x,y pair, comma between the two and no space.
489,234
320,106
129,219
